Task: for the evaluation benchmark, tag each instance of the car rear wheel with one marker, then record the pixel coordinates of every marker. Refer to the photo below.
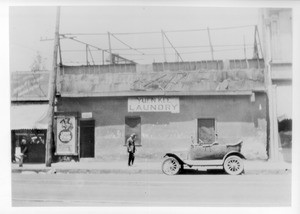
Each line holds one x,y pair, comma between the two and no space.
171,166
233,165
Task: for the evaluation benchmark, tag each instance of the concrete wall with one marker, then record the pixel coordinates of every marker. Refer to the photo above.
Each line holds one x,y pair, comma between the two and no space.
83,82
236,118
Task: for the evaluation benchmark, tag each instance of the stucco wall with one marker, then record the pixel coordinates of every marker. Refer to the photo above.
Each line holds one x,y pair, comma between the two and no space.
236,118
83,81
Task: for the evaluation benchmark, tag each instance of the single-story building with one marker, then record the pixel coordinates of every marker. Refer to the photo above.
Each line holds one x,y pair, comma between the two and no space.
29,106
165,104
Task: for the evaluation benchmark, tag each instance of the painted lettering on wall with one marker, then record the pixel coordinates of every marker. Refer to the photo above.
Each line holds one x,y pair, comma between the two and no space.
153,104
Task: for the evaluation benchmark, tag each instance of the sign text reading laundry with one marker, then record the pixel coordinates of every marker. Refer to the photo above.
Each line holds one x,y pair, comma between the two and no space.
153,104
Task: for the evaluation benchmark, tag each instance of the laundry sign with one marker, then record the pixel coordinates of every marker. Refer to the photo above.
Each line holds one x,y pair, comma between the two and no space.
153,104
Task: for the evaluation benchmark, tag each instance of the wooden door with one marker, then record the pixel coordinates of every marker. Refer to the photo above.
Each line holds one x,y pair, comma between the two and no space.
87,138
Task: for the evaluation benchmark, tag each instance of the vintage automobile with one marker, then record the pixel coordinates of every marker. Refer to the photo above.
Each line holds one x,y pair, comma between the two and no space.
208,156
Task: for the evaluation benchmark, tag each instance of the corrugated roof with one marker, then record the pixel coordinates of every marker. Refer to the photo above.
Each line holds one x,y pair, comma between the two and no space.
29,116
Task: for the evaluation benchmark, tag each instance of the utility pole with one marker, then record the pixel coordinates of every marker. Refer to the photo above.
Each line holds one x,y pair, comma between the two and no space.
210,44
52,92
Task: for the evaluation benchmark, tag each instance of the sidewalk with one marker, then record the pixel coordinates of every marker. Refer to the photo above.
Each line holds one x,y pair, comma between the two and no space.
97,167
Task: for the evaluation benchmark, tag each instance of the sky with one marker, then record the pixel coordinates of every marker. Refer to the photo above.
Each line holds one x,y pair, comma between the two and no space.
29,25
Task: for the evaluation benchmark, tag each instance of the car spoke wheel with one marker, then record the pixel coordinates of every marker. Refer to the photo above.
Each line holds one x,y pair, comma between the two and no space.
171,166
233,165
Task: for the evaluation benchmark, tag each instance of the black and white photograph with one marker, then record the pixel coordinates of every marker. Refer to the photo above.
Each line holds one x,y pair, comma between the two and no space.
151,105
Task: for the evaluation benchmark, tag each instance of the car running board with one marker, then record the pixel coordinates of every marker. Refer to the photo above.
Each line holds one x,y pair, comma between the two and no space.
204,162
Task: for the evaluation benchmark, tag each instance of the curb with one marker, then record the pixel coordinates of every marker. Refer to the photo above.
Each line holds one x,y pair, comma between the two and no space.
139,171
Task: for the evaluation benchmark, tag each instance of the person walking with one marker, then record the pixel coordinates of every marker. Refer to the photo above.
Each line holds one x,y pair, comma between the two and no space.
131,148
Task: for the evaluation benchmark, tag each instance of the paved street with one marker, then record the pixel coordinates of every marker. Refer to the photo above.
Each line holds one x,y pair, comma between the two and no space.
150,190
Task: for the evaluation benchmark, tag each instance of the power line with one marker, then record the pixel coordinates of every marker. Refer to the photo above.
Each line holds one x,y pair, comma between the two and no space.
160,54
158,32
205,29
143,50
85,34
100,49
158,48
191,52
232,27
76,40
148,54
133,33
127,45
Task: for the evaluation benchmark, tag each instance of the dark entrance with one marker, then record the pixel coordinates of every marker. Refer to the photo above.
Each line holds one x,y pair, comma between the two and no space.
206,130
133,125
35,140
87,138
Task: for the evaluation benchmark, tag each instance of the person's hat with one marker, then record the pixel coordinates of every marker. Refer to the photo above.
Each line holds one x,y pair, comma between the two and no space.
133,134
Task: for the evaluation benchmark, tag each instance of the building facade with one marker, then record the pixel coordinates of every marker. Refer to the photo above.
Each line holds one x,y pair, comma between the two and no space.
276,28
165,104
29,105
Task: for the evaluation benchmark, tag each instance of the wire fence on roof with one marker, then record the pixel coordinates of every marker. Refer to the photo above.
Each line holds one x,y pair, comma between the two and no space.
147,51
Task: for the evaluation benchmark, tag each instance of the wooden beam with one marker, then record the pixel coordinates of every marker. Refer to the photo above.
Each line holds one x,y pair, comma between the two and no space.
163,93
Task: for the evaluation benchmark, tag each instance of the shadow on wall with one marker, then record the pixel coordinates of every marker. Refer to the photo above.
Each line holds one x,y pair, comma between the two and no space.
285,137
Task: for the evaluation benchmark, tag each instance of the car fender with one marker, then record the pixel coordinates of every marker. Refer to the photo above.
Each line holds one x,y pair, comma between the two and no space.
233,153
174,156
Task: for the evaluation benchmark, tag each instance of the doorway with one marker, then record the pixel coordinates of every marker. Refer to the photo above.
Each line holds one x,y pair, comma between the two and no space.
35,141
87,138
133,125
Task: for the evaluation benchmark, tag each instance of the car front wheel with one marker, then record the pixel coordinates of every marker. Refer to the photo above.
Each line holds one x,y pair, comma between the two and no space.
171,166
233,165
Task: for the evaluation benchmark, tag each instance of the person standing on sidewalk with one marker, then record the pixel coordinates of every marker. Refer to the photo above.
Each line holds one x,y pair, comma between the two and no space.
24,151
131,148
17,152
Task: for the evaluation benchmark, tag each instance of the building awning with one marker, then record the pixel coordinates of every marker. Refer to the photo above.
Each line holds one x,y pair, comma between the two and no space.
29,116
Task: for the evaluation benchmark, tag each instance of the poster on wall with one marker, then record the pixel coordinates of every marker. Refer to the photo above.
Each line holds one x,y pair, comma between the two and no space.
66,136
